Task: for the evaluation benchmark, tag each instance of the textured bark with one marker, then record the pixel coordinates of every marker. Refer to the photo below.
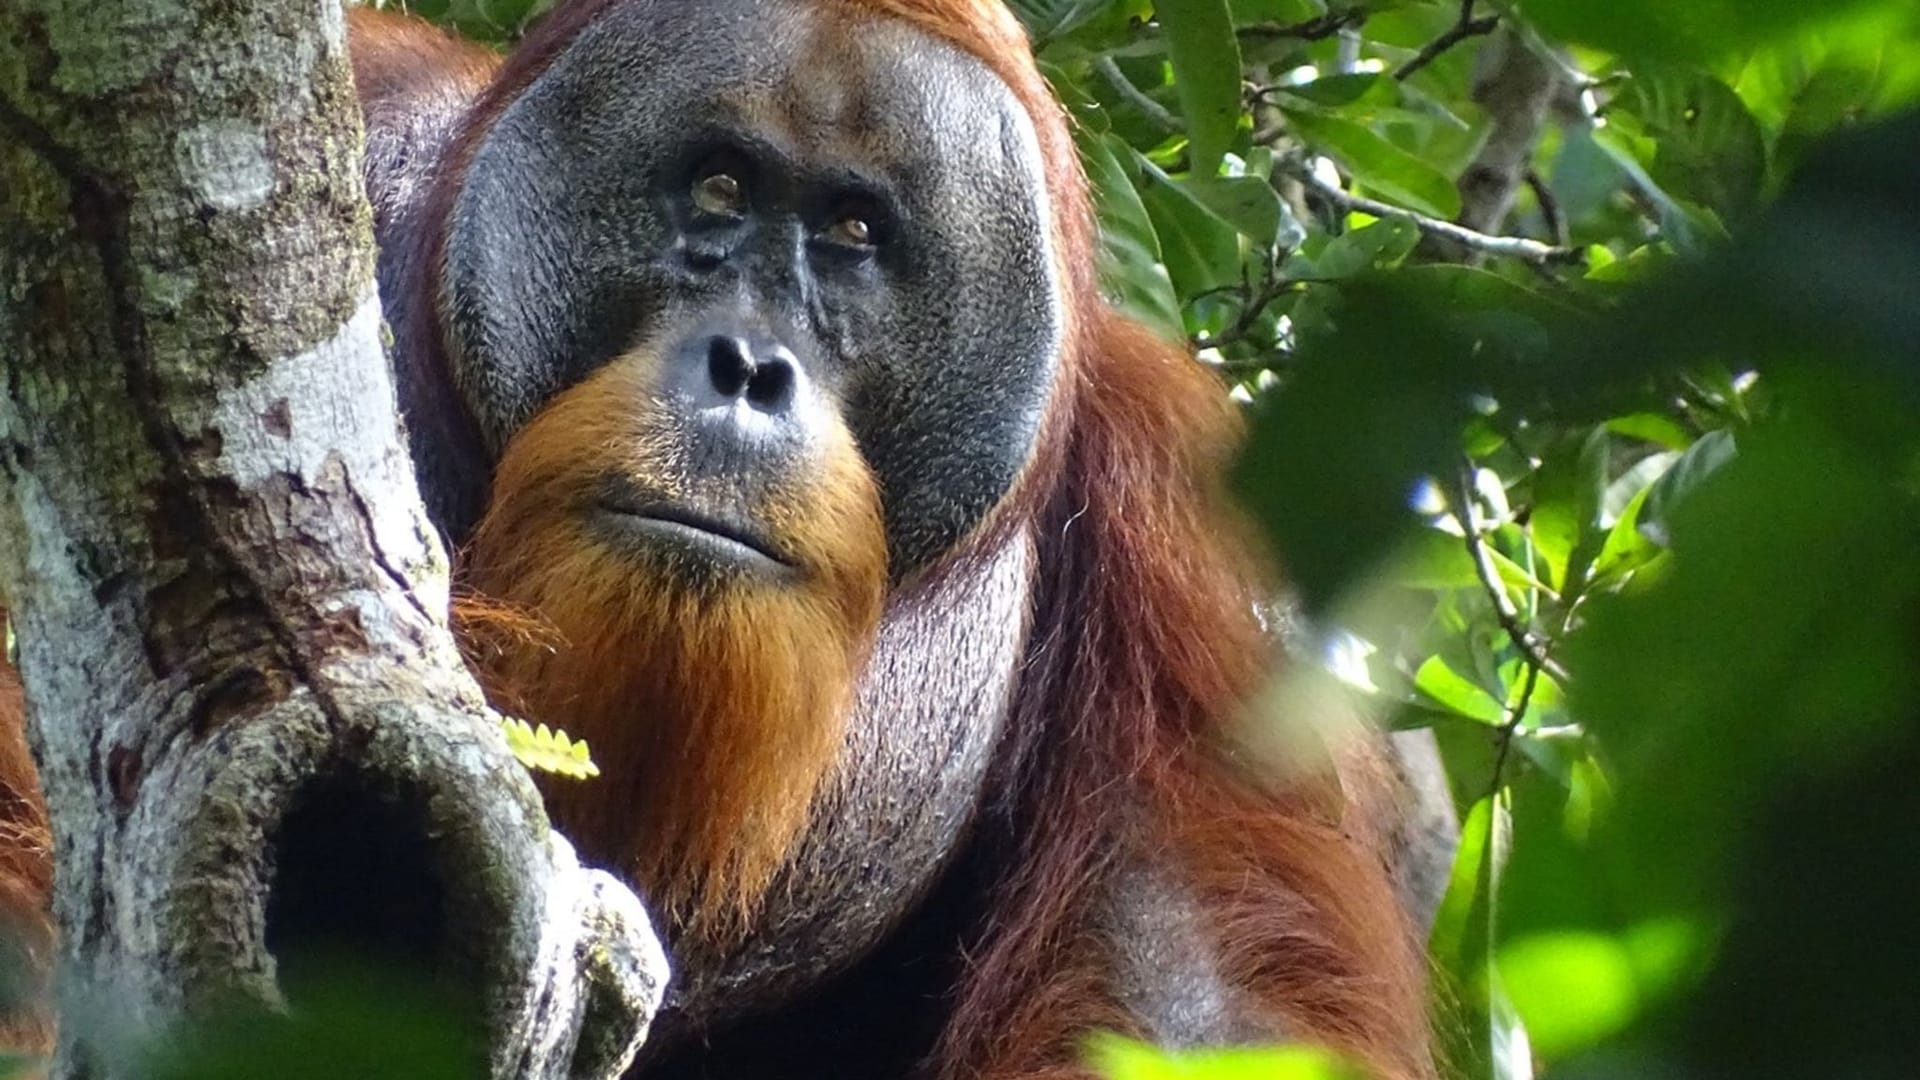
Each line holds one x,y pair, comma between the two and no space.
230,605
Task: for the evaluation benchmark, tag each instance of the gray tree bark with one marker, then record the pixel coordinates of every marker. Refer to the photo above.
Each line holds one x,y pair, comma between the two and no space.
231,609
1516,86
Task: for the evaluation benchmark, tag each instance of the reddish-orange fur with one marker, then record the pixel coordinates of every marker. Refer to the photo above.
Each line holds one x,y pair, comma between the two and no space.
396,57
1155,649
714,713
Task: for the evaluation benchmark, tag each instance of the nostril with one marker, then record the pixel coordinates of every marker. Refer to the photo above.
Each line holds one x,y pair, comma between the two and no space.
771,386
729,365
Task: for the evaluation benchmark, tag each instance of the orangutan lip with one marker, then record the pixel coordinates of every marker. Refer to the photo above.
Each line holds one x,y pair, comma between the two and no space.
707,532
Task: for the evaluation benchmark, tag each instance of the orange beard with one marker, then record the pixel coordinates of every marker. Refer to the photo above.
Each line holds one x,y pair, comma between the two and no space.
715,703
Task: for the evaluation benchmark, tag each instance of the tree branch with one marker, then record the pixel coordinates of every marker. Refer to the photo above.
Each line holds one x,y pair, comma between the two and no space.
1253,303
231,607
1315,29
1550,214
1155,112
1530,646
1512,247
1464,27
1516,86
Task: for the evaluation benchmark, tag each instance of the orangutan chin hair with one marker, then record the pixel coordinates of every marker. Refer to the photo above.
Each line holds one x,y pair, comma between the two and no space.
715,706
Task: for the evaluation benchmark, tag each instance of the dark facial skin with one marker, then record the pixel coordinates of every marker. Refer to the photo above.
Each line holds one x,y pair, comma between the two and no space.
859,212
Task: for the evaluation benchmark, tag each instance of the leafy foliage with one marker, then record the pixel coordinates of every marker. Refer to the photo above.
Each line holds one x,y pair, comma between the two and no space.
1614,492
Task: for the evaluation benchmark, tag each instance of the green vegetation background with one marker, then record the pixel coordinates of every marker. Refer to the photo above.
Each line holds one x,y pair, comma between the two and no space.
1618,498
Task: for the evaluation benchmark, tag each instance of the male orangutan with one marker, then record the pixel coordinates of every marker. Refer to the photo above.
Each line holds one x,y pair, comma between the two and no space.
752,356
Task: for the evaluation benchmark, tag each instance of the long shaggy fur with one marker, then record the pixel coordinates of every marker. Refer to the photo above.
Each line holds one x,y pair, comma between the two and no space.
1146,648
715,704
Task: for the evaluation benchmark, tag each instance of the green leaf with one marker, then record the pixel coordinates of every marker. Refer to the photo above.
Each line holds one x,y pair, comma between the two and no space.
1654,428
1710,150
1048,19
1379,246
1438,680
1380,165
1462,940
1699,463
1131,267
1200,248
1568,491
1279,12
1205,55
1251,206
1682,31
1467,288
1627,550
1333,91
1451,935
1435,559
1121,1059
1686,227
1779,642
1572,989
1332,455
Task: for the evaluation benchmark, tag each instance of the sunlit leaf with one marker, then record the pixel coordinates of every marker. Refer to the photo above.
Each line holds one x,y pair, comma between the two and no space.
1206,64
1572,989
1120,1059
1694,31
1438,680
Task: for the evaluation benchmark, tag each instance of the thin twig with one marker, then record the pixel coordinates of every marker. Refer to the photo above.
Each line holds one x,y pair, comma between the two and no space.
1273,288
1464,27
1264,136
1511,726
1513,247
1274,361
1530,645
1135,96
1533,650
1315,29
1556,222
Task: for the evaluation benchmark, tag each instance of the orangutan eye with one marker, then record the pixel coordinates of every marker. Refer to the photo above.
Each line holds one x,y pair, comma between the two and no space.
852,230
721,194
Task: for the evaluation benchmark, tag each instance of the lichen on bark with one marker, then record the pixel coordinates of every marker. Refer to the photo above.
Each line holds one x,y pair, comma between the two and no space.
231,606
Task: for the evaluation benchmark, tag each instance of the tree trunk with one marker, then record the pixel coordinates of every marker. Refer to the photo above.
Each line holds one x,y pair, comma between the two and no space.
230,606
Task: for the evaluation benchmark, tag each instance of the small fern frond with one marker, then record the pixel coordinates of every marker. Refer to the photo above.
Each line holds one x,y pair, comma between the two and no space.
545,750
